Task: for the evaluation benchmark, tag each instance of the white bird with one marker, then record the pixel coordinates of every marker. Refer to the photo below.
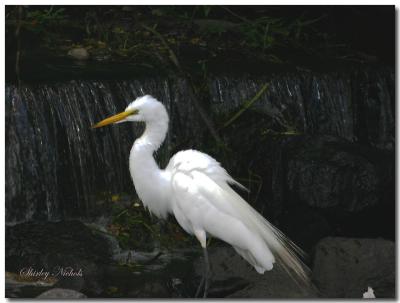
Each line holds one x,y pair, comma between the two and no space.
197,191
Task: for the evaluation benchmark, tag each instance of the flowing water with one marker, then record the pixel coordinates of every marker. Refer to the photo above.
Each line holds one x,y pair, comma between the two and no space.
56,165
356,106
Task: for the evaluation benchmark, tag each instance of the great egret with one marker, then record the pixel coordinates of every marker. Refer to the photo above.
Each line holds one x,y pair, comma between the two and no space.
197,191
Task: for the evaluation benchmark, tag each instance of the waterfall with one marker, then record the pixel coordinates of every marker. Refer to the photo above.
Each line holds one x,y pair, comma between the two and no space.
56,165
357,106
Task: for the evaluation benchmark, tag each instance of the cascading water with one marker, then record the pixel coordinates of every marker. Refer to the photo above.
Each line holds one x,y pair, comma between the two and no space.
357,106
55,161
56,164
321,140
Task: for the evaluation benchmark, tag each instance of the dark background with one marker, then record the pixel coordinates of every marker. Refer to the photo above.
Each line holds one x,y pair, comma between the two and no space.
313,92
318,37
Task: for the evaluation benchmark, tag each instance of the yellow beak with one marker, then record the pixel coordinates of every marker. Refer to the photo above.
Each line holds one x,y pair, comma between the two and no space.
115,118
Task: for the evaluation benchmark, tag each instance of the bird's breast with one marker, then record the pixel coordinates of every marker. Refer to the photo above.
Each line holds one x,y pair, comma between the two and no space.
150,185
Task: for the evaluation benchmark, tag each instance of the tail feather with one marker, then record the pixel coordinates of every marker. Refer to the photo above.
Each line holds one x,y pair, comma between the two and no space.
250,258
287,253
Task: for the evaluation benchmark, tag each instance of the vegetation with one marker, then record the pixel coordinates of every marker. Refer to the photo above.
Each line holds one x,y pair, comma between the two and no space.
134,227
197,35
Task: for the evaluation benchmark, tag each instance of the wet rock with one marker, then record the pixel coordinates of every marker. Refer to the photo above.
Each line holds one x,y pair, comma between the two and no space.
61,293
325,172
170,275
132,282
233,277
344,185
150,289
346,267
79,53
68,251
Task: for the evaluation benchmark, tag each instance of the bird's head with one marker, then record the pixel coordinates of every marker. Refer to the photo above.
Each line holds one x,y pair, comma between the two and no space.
143,109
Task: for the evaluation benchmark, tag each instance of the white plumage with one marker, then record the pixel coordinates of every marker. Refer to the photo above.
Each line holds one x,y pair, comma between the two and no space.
197,191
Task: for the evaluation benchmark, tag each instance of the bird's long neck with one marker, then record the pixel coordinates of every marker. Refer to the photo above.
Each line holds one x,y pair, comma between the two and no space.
153,136
150,181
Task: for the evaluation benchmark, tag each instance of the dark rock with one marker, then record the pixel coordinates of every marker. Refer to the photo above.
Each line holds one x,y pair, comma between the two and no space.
150,289
129,282
326,172
170,275
233,277
346,267
61,293
305,225
344,185
70,251
52,247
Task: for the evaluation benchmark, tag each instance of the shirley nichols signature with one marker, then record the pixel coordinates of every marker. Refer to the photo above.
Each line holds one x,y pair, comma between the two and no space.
56,272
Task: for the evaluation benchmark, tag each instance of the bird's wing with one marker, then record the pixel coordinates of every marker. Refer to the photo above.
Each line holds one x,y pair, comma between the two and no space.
192,160
201,186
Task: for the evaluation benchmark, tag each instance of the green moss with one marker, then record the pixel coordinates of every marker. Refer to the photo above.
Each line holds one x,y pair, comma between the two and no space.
135,228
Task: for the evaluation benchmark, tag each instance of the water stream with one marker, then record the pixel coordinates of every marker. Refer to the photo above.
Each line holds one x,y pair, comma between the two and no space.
56,165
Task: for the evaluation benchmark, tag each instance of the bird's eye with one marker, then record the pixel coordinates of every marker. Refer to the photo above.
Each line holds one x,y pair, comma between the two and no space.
132,112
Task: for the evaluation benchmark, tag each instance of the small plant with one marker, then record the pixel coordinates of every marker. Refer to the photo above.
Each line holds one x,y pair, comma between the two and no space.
134,228
43,18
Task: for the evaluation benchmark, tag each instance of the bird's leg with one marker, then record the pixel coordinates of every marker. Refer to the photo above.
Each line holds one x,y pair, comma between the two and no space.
201,236
199,287
206,276
206,272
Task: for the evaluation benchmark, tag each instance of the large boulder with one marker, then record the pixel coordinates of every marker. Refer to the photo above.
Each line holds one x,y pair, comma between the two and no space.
346,267
327,172
233,277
